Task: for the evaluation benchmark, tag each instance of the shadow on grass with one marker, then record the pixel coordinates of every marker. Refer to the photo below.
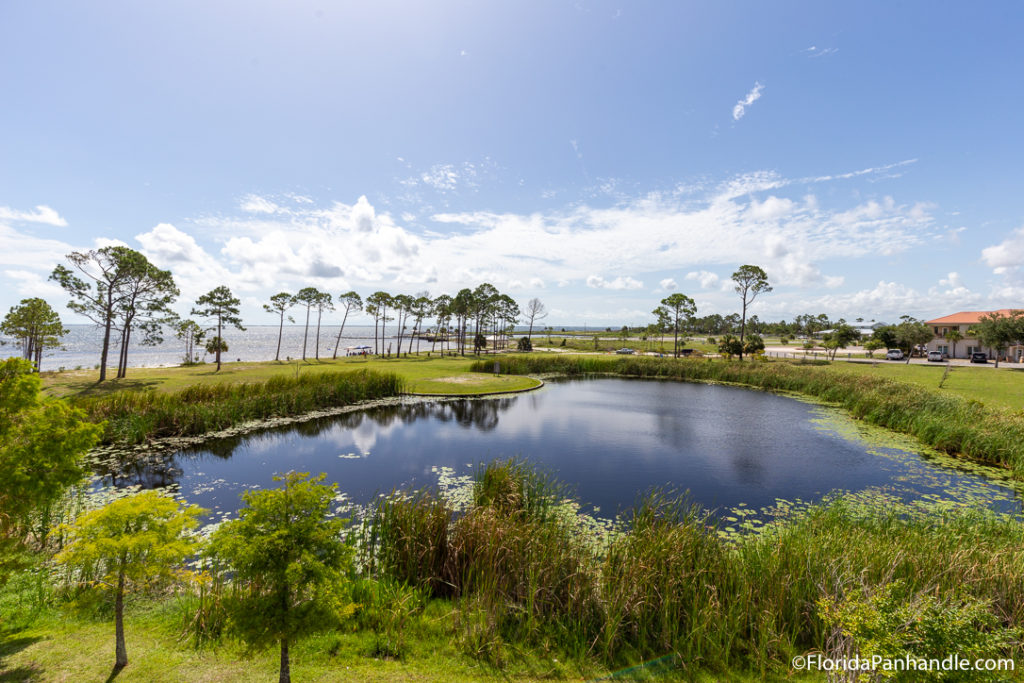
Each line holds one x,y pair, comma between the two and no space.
10,646
93,388
114,673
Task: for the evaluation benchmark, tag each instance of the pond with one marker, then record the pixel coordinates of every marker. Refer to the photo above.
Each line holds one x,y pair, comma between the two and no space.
610,440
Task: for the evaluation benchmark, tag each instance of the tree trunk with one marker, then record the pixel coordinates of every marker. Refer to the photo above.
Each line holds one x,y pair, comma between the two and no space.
319,314
286,673
305,334
120,651
743,325
220,342
108,314
280,331
338,341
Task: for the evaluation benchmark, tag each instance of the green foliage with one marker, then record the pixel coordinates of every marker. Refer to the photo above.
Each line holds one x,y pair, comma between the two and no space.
673,313
219,304
42,444
874,344
524,344
730,346
287,561
1000,331
143,537
894,623
129,544
216,345
133,417
35,326
753,344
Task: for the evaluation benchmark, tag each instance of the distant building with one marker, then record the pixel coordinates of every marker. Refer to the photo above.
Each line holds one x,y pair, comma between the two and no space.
963,322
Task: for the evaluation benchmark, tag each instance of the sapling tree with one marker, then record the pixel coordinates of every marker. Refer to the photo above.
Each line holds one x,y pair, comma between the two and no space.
221,305
192,335
288,563
128,544
42,444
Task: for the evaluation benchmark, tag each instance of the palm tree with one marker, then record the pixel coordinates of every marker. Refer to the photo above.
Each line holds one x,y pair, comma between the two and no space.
953,336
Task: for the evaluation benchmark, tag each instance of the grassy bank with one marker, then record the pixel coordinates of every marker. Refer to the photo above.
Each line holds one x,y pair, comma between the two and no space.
192,400
946,422
135,416
431,374
514,584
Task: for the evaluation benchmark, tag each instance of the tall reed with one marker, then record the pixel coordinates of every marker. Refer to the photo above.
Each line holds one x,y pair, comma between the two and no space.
670,586
132,417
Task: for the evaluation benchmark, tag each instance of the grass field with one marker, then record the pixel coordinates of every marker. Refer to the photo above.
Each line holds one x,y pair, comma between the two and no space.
998,388
422,374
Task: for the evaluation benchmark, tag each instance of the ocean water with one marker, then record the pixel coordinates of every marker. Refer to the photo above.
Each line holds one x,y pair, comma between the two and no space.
81,347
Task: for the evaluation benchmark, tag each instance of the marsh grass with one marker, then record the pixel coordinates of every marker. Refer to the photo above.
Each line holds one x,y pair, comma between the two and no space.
523,578
945,422
133,417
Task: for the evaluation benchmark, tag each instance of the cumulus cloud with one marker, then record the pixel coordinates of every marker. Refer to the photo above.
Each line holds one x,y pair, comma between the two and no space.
598,282
707,279
754,95
1007,254
42,214
668,284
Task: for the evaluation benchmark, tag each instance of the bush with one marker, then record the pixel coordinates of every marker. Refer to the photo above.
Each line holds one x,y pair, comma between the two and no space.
895,623
524,344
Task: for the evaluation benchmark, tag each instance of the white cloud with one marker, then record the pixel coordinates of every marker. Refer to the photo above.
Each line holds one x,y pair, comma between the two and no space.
770,209
252,203
668,284
741,107
815,51
598,282
33,284
42,214
707,279
441,177
1007,254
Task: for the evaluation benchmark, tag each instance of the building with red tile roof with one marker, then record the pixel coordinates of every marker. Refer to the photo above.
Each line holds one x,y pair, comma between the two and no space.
962,322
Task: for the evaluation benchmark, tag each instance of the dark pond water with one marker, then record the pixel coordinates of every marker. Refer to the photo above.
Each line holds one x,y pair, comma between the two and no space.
610,439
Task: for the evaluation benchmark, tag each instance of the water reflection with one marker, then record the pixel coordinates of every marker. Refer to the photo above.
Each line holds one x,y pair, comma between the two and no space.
609,439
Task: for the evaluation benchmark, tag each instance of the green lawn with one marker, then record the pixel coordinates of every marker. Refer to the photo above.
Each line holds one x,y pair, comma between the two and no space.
426,375
67,647
996,388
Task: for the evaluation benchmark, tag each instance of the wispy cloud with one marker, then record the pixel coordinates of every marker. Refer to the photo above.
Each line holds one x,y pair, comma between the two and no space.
42,214
754,95
814,51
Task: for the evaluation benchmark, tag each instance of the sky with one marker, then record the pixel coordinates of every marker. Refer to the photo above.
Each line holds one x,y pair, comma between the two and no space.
596,155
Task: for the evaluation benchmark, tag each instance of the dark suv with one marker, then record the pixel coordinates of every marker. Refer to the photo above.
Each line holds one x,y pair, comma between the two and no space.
979,357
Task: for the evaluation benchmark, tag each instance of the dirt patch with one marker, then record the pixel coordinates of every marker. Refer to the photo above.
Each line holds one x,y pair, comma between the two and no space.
461,379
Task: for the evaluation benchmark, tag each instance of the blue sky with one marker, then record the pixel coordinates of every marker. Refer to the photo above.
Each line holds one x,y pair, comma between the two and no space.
596,155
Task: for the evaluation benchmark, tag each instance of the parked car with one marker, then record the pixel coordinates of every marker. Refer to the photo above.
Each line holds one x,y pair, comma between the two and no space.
979,357
935,356
626,352
894,354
